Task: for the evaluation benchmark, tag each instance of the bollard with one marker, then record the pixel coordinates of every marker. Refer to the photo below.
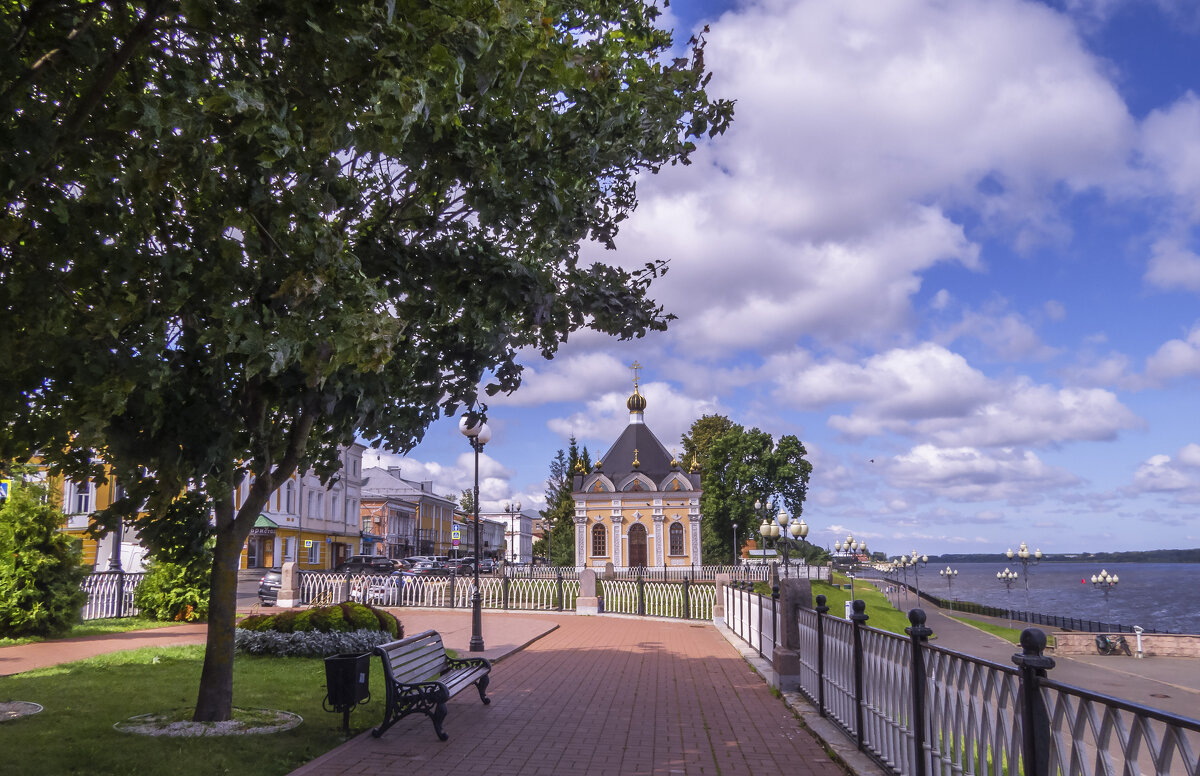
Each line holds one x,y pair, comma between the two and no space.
919,634
687,610
1139,630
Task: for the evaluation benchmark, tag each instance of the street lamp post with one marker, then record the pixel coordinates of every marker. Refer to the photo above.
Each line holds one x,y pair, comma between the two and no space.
1007,578
1105,582
513,510
949,574
735,547
1026,559
850,547
917,561
475,429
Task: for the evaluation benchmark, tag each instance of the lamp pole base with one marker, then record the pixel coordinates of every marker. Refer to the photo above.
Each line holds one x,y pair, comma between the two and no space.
476,622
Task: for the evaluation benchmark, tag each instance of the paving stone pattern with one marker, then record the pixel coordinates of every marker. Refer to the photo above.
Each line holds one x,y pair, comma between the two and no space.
603,696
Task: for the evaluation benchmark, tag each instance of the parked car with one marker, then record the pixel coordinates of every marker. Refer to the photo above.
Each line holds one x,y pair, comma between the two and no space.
268,587
487,566
377,590
427,568
366,564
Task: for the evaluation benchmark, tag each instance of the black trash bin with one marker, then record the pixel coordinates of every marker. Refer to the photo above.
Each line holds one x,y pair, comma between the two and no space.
347,684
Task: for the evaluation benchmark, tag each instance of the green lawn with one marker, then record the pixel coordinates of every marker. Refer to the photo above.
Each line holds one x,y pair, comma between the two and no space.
83,700
95,628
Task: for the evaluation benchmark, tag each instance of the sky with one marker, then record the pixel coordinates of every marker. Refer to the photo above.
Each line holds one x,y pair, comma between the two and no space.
954,247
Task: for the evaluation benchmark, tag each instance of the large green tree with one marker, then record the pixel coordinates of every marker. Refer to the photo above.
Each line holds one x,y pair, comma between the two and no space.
745,467
237,234
560,504
698,440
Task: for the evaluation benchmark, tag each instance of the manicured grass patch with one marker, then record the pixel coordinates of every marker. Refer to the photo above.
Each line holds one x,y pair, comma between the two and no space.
881,613
96,628
83,700
1012,635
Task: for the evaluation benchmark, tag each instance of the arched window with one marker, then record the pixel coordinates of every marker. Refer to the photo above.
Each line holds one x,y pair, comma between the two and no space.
289,497
599,540
676,532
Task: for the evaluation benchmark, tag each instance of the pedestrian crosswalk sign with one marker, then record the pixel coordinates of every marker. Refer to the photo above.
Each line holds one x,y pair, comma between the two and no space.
3,490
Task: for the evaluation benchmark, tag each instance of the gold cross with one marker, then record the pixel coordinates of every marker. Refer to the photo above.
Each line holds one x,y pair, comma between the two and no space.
635,366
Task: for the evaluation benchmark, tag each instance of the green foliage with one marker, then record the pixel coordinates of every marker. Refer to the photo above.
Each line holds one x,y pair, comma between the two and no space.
560,505
698,441
238,236
744,467
176,592
344,617
40,567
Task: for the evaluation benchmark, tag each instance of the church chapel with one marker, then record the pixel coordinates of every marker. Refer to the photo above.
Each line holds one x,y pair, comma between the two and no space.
638,507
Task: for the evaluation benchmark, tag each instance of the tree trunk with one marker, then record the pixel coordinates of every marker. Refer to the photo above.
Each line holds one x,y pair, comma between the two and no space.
214,702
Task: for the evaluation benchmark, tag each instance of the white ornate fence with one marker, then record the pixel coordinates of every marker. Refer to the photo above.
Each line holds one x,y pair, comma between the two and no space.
110,594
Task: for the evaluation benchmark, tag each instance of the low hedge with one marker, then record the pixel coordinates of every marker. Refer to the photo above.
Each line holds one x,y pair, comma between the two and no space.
326,630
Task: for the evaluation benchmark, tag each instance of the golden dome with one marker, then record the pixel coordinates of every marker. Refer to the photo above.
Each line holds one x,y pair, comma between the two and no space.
636,402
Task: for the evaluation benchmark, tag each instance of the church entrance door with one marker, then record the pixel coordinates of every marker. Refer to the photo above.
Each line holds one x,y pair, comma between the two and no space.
637,545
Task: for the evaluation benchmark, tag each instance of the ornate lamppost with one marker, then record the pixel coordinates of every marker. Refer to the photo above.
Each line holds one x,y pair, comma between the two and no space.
1105,582
1007,578
735,546
475,429
786,529
949,574
513,510
1026,559
917,562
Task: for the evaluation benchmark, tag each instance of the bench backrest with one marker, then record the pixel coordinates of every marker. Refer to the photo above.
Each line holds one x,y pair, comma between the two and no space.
414,659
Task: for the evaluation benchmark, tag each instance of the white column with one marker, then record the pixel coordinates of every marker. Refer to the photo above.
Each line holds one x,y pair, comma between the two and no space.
659,554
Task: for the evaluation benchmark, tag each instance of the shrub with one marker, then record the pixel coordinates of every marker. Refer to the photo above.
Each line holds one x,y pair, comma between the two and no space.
327,630
308,643
175,592
40,567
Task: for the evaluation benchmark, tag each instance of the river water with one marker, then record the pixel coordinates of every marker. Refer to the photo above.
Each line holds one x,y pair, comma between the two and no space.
1162,596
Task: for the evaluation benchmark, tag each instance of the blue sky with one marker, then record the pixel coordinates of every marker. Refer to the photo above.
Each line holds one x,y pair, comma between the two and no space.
952,246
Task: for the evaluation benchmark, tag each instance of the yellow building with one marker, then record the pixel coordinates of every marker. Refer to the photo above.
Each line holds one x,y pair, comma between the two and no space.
637,508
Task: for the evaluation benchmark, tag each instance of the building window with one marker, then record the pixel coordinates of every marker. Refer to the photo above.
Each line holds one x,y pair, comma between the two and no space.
599,540
314,553
289,549
676,532
79,498
333,506
289,497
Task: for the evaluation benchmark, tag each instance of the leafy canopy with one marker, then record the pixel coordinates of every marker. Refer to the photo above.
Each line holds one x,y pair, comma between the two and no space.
236,234
745,467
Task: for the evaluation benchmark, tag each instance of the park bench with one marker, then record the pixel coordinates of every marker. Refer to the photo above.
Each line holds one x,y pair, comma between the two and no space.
421,677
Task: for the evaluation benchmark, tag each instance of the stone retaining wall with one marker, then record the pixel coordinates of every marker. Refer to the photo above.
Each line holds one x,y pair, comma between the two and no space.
1153,644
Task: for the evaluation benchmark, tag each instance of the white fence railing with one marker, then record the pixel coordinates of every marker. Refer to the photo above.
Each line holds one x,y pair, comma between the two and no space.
110,594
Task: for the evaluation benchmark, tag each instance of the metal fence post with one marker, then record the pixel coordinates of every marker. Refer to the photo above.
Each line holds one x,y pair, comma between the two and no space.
858,619
687,612
774,618
452,582
504,584
822,610
919,634
121,592
641,598
558,576
1035,721
758,604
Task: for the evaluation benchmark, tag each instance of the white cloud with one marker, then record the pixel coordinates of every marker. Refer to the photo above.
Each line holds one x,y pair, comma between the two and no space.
860,127
934,395
1175,358
570,378
669,415
969,474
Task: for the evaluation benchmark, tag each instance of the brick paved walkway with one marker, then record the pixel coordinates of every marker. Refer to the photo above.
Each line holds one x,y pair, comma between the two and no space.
598,697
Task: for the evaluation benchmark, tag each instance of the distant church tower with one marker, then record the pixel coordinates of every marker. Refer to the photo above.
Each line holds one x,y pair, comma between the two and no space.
637,507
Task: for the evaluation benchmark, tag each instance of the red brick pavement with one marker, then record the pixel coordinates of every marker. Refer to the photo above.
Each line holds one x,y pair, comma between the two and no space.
602,696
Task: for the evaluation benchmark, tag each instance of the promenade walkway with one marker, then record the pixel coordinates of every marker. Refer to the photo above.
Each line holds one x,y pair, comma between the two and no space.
600,696
1166,683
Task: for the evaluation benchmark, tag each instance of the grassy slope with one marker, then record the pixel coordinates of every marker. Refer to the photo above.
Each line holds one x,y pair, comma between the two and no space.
94,628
